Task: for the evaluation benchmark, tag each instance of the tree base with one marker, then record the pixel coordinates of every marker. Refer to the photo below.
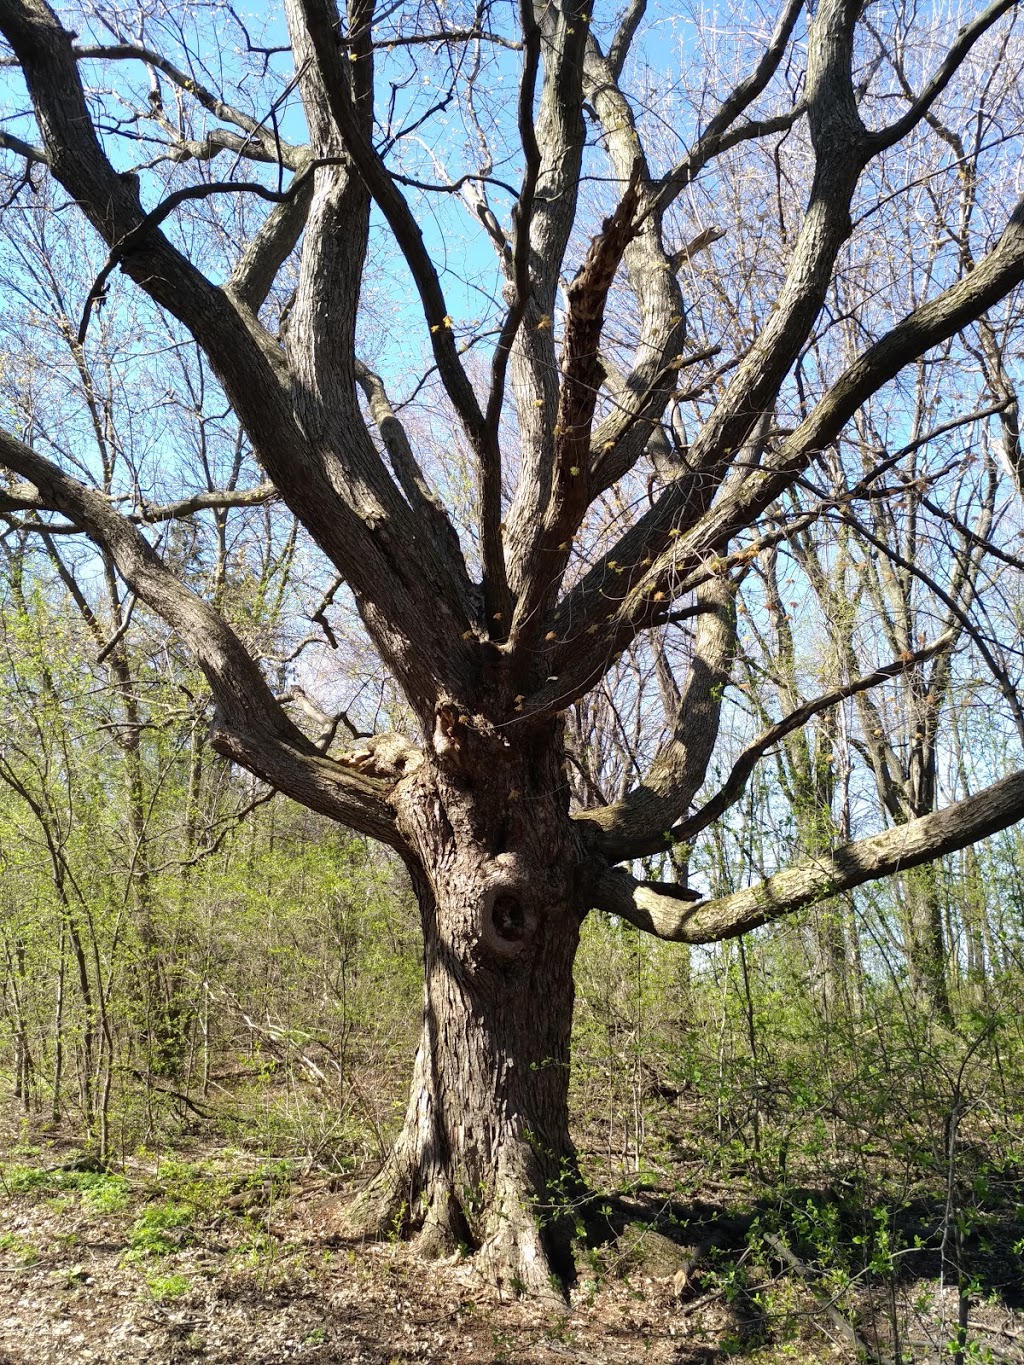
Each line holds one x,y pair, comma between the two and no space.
519,1244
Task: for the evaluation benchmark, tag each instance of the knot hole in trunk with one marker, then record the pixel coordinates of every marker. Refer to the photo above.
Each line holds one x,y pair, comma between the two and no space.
507,924
508,918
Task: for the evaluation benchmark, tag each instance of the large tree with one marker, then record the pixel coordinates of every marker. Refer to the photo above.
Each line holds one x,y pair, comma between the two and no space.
645,389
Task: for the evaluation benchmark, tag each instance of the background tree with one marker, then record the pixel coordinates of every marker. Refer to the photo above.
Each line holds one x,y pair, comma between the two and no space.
566,403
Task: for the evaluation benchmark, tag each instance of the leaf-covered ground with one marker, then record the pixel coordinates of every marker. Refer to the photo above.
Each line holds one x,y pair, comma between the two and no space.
266,1287
214,1256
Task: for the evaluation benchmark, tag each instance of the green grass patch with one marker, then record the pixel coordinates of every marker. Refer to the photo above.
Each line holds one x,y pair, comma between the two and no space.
160,1230
99,1192
164,1287
209,1192
20,1250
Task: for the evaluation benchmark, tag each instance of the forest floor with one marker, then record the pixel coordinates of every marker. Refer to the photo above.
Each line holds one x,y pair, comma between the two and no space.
211,1255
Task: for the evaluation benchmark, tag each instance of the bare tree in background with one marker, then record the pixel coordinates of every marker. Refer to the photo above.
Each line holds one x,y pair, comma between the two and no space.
563,404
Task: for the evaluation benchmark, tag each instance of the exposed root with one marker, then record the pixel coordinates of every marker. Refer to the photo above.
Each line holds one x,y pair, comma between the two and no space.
444,1229
515,1259
512,1248
378,1211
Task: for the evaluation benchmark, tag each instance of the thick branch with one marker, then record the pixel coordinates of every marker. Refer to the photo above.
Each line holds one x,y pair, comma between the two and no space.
522,216
656,911
264,254
559,136
413,481
618,49
519,298
642,821
400,218
251,728
569,495
348,99
35,156
622,436
841,151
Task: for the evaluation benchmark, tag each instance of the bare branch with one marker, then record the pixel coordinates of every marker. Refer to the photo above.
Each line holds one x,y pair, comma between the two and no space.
655,909
263,256
956,615
732,789
642,821
586,652
251,727
951,63
137,235
618,48
621,437
442,37
270,147
199,502
35,156
522,216
713,139
414,484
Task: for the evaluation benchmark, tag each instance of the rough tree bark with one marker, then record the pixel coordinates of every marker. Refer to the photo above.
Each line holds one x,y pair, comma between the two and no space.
491,644
485,1158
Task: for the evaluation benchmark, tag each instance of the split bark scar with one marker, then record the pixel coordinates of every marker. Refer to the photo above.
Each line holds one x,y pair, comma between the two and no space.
390,757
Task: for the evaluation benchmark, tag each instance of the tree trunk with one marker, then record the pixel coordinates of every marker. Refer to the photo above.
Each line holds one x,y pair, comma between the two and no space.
925,944
826,950
485,1160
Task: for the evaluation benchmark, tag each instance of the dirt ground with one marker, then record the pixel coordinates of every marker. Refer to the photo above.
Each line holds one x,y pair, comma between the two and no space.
220,1262
299,1298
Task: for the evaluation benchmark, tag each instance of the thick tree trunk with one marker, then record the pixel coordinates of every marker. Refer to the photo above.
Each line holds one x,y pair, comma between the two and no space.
485,1159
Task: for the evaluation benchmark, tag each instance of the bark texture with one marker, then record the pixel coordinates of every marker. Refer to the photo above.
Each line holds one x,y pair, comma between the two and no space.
485,1159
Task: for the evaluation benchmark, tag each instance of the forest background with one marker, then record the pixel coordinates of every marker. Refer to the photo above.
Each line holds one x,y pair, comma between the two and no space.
193,966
